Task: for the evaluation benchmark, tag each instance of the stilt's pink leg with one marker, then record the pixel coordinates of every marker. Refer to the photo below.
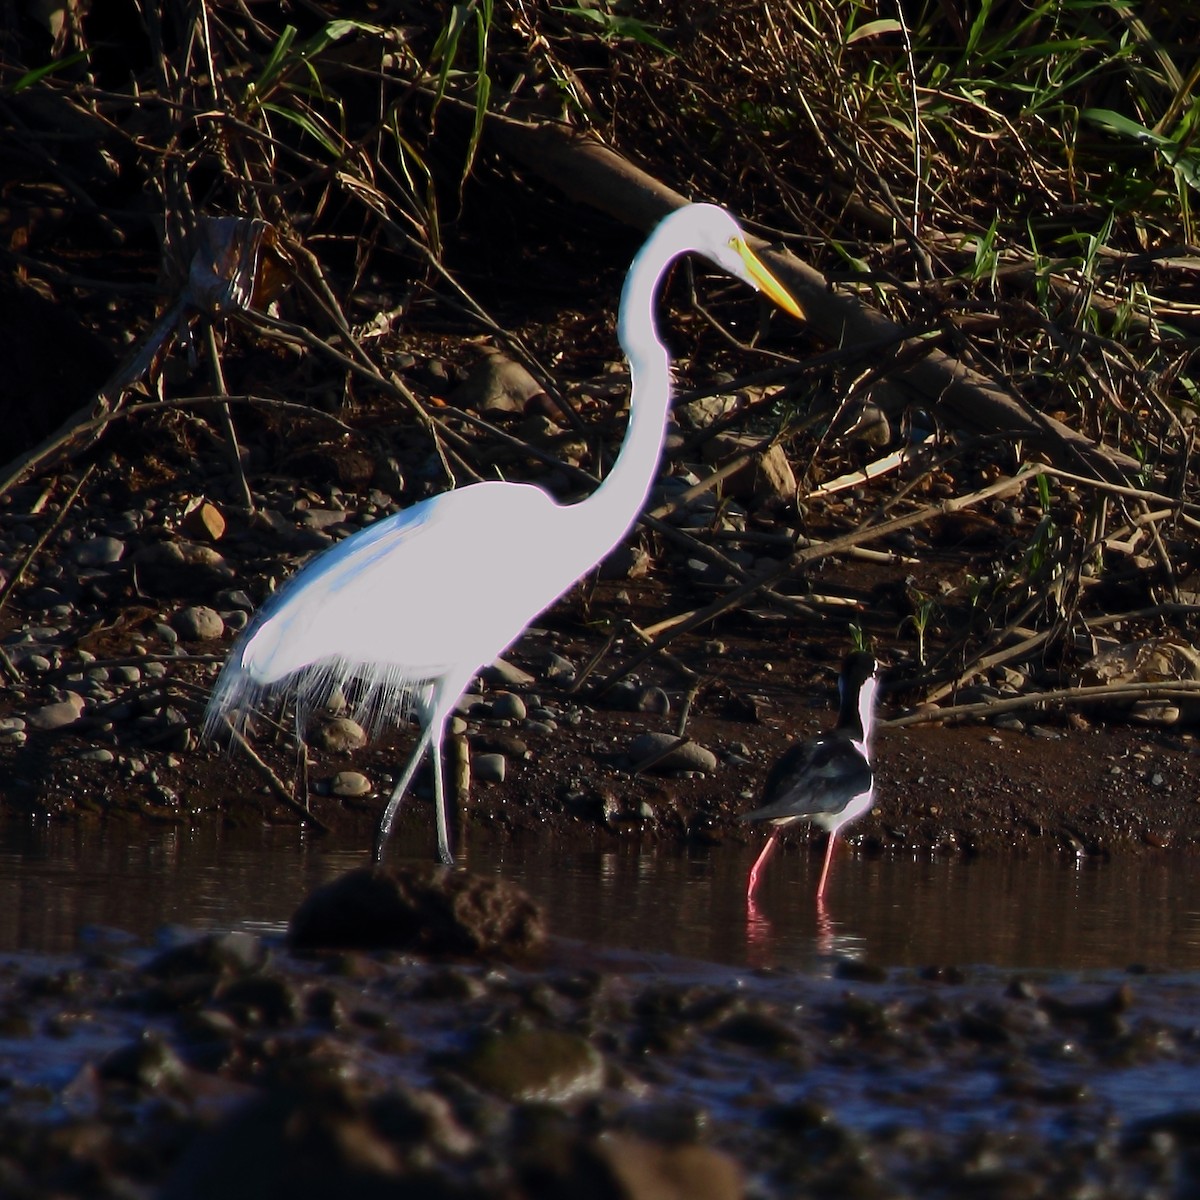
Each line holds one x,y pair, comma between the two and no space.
825,868
758,866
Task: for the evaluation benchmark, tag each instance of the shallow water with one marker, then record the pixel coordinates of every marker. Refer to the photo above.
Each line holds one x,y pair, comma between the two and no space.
59,883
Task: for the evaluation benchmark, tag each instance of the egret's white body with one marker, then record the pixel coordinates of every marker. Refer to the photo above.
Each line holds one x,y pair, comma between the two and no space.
413,605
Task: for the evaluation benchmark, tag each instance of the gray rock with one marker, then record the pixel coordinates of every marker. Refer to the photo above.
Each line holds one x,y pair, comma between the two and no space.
700,414
508,706
489,768
235,598
350,784
1008,721
690,756
338,736
502,673
767,479
497,383
98,552
198,623
58,715
558,670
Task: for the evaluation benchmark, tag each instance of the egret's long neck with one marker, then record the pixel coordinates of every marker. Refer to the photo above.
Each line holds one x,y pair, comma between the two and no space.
617,501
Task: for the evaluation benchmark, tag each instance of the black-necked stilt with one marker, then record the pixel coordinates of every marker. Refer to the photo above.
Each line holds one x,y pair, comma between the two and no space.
827,779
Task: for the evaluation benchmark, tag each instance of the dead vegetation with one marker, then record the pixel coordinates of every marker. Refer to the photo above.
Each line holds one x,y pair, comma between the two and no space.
280,218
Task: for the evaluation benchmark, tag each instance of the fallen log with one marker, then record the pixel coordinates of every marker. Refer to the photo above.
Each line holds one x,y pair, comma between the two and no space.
593,174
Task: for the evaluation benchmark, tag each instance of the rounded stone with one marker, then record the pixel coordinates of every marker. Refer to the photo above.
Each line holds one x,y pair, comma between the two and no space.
58,715
489,768
350,784
508,706
690,756
98,552
198,623
338,736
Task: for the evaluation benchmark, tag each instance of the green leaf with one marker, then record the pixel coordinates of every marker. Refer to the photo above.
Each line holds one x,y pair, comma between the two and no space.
874,29
616,27
1114,121
305,122
39,73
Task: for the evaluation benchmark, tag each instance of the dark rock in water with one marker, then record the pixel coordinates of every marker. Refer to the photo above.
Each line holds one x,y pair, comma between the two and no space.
298,1147
641,1170
620,1166
149,1063
233,953
545,1065
428,910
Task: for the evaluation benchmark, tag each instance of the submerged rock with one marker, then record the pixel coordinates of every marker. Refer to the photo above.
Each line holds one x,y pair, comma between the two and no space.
428,910
543,1065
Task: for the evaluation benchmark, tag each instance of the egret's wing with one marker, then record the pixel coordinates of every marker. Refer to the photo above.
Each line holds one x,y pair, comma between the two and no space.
426,595
821,775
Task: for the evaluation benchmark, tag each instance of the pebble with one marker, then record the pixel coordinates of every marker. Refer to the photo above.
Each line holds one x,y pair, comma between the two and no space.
558,670
57,715
489,768
98,551
1008,722
691,756
1044,731
350,784
198,623
497,383
504,674
235,598
508,706
101,755
204,521
338,736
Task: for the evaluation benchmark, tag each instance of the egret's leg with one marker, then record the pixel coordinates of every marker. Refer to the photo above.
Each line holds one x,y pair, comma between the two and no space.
825,868
759,862
410,769
439,796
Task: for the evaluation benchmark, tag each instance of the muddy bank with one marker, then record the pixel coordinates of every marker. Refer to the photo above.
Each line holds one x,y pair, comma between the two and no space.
1081,790
235,1066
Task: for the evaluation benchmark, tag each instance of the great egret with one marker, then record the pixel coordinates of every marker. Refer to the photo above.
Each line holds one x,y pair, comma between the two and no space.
827,779
413,605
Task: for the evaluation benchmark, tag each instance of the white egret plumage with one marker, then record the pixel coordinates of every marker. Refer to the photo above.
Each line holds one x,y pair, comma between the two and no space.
413,605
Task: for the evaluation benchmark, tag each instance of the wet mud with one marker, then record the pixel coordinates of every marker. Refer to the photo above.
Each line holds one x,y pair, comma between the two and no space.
236,1066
